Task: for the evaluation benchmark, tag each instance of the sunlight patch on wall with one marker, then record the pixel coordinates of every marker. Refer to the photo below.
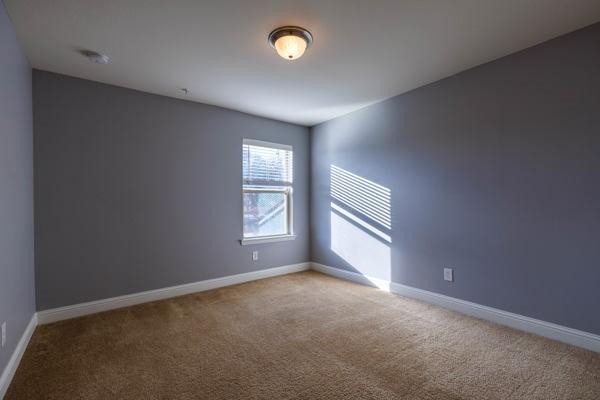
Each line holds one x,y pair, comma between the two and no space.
361,223
362,195
339,210
367,254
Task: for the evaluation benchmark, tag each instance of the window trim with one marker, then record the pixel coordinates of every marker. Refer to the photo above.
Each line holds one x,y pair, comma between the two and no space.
271,145
285,189
267,239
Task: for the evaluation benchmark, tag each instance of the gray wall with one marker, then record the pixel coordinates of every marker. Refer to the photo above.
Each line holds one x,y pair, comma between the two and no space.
135,191
494,171
17,294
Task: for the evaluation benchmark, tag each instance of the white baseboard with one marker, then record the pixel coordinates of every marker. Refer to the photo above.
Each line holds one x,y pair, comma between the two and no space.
547,329
553,331
15,359
92,307
77,310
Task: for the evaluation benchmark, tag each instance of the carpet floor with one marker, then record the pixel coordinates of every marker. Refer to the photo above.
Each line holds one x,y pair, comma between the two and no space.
299,336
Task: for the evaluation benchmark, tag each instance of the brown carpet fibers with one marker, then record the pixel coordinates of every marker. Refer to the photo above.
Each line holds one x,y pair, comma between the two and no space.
300,336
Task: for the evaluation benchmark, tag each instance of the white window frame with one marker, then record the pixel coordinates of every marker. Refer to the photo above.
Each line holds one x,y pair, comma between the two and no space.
287,190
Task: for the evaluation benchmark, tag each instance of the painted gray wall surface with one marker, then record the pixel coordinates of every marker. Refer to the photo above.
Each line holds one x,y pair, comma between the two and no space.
135,191
17,293
495,172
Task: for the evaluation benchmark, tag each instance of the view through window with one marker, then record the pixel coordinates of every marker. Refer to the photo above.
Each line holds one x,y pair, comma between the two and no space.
267,189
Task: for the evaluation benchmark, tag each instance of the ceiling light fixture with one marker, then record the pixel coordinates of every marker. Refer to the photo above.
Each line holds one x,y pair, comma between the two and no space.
290,41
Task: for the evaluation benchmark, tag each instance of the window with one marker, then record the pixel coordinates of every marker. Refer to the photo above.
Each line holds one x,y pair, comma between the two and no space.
267,170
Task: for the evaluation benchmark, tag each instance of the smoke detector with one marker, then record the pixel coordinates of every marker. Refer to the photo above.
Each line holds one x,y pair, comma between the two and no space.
96,57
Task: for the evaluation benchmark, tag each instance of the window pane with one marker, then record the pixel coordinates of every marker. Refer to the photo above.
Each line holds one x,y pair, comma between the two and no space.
266,165
264,214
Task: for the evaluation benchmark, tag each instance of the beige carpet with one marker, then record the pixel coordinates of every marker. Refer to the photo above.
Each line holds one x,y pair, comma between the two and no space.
300,336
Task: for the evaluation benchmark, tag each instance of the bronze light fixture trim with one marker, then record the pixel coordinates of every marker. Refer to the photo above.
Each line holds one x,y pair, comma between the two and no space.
290,42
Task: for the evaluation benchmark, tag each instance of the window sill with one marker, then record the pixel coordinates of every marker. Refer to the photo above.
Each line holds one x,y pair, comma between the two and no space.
267,239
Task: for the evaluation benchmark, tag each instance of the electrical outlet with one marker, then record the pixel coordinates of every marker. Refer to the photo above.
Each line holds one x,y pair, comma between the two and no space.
255,255
449,274
4,334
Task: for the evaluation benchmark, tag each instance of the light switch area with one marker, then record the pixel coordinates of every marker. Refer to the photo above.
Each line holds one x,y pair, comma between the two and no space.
4,334
255,255
449,274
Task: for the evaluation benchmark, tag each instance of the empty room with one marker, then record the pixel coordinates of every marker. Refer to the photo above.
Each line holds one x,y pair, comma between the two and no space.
309,199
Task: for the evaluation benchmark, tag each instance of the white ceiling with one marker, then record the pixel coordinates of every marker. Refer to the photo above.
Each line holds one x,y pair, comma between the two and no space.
364,50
